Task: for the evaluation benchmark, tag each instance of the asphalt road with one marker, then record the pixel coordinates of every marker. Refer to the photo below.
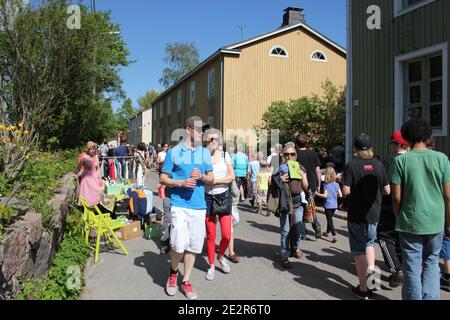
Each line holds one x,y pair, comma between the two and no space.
326,271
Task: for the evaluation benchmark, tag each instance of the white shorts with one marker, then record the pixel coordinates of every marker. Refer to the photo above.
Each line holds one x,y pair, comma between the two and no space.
188,230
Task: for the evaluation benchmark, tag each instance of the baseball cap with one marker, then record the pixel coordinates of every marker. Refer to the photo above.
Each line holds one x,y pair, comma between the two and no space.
195,122
397,138
362,142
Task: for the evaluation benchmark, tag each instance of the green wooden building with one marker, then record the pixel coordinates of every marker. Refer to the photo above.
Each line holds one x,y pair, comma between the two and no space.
397,68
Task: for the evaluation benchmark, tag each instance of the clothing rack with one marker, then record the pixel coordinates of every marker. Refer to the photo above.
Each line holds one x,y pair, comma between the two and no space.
117,157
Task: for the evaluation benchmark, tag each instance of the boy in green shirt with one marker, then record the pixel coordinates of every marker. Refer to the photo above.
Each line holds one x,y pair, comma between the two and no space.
421,200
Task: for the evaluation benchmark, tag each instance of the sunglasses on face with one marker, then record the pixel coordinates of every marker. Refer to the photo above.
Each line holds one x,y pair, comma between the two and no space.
290,154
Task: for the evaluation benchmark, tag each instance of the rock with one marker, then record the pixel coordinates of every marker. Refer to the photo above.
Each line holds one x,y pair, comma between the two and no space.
42,262
15,251
21,245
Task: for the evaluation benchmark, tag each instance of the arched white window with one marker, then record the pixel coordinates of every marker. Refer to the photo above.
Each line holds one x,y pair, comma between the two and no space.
279,51
319,56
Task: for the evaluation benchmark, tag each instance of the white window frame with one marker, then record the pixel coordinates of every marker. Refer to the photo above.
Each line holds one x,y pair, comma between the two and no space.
179,100
318,60
211,83
399,84
161,109
192,93
277,55
169,105
399,10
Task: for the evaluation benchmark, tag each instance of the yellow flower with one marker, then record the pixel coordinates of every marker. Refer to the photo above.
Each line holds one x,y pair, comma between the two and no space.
10,128
21,125
2,127
18,131
26,132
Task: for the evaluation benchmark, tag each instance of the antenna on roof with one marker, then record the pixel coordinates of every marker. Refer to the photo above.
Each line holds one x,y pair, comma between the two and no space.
242,28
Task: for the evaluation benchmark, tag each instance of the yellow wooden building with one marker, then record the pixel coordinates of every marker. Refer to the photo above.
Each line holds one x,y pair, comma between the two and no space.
234,86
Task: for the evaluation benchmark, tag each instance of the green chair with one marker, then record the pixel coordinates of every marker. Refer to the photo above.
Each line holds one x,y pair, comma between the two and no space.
103,224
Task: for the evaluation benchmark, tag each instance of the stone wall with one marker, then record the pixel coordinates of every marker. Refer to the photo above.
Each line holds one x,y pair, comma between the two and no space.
28,249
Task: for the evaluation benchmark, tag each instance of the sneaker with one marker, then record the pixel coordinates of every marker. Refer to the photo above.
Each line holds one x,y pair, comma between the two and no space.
327,234
396,279
211,274
445,284
363,295
224,265
334,239
186,288
171,285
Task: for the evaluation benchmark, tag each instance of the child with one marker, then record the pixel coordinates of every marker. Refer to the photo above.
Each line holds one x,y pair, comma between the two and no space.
262,184
331,191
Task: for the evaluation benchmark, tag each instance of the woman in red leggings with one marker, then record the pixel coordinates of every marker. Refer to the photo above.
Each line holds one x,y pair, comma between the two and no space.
219,191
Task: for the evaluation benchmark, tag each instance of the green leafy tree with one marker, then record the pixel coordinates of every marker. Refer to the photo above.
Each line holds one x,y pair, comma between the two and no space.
322,118
54,80
124,114
145,102
181,58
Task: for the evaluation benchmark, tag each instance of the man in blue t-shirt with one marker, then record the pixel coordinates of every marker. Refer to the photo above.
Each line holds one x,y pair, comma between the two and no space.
186,170
240,165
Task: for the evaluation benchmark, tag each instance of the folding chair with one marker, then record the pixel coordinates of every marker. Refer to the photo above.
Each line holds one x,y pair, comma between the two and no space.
102,224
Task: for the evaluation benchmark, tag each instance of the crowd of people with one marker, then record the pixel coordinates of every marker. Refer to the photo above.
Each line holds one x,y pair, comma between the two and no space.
402,202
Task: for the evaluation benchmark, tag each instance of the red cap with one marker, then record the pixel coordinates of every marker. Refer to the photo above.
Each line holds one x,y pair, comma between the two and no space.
397,138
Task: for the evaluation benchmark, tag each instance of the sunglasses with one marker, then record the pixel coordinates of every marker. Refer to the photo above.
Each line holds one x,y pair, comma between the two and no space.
290,154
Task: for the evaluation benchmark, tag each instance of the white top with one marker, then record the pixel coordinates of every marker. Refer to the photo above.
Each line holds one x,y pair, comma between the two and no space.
220,171
162,156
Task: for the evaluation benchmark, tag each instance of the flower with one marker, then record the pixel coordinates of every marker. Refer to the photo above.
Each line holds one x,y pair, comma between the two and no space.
26,132
18,131
2,127
21,125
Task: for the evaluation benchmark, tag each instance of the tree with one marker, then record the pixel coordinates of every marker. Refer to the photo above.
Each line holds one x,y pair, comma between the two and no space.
145,102
53,80
322,118
124,114
181,58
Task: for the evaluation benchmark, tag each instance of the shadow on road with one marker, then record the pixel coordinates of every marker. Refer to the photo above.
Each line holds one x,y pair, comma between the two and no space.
157,266
264,227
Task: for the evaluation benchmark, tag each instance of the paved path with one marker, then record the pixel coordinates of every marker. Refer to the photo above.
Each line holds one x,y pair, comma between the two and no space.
325,273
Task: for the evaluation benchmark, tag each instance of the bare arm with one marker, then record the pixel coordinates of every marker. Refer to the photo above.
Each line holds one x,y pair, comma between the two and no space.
165,180
209,178
396,198
340,193
447,208
323,195
319,178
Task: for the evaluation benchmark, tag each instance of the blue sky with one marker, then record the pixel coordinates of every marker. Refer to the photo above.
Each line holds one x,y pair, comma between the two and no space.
147,25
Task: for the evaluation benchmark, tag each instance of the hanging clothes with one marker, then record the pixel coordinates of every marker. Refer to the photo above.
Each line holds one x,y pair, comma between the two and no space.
112,170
